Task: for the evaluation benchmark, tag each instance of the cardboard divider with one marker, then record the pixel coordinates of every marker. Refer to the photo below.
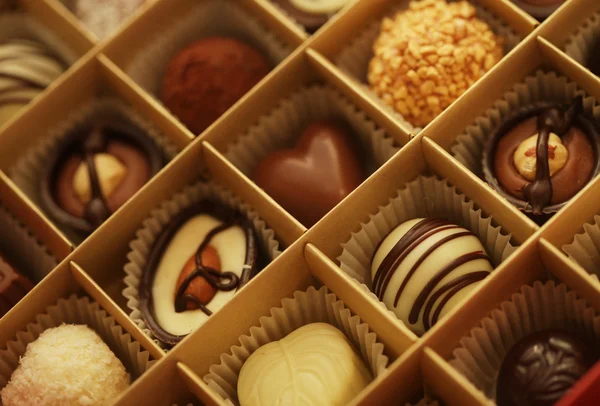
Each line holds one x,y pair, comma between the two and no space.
163,385
196,385
396,337
289,31
564,22
454,388
35,221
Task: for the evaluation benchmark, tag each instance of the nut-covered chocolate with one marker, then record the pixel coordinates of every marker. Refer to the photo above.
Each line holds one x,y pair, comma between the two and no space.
312,14
542,367
197,263
13,286
542,155
95,170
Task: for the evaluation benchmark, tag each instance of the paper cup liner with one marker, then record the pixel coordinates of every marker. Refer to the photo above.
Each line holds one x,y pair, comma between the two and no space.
311,306
541,86
354,59
580,44
283,126
207,18
424,197
161,217
23,250
30,168
76,310
585,248
480,354
20,25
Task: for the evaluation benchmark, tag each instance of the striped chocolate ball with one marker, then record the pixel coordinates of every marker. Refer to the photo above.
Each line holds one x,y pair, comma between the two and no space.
26,69
424,267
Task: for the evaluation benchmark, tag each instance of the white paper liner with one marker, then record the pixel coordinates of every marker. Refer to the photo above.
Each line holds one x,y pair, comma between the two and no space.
585,249
354,59
424,197
535,308
307,307
22,249
75,310
207,18
283,126
161,217
581,43
541,86
30,168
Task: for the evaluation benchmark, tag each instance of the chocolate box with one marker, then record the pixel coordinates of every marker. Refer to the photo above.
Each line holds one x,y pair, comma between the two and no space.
418,365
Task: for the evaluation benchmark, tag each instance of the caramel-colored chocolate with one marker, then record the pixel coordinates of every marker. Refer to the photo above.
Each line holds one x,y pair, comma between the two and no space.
566,182
315,176
13,286
199,289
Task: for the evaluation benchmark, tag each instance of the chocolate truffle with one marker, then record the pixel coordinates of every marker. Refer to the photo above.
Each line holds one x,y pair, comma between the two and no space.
542,367
66,365
26,69
208,77
196,265
95,170
104,17
425,267
313,365
311,179
565,140
427,56
13,286
310,13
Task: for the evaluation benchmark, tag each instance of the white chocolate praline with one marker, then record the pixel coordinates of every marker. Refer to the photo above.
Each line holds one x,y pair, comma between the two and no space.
231,247
319,6
443,263
525,157
26,69
313,365
111,173
66,365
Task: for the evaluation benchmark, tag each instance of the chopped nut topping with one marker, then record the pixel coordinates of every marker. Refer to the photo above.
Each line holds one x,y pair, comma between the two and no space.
428,55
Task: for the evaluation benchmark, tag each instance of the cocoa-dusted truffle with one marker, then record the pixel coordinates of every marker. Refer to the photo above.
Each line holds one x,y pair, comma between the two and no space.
196,265
95,170
427,56
66,365
542,367
205,79
542,155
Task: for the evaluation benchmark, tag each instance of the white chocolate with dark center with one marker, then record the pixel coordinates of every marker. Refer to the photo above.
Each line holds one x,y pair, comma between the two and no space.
231,246
425,267
313,365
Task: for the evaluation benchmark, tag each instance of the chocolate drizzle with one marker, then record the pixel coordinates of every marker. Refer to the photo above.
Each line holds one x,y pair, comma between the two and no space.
212,276
228,218
97,210
428,296
555,120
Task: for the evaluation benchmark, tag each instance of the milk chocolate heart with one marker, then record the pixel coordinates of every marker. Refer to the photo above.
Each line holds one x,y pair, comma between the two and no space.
316,175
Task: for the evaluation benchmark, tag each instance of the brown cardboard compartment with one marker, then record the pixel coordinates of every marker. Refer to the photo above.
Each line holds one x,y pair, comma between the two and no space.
136,34
566,20
535,53
33,219
95,77
66,279
296,269
327,45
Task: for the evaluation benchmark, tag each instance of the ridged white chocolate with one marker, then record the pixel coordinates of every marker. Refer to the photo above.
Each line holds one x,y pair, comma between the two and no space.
314,365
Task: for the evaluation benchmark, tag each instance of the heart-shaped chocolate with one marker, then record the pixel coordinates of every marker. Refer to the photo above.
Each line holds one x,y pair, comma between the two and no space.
310,179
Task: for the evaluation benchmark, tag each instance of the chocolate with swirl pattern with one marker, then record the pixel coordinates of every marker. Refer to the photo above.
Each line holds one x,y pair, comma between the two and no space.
540,368
424,267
